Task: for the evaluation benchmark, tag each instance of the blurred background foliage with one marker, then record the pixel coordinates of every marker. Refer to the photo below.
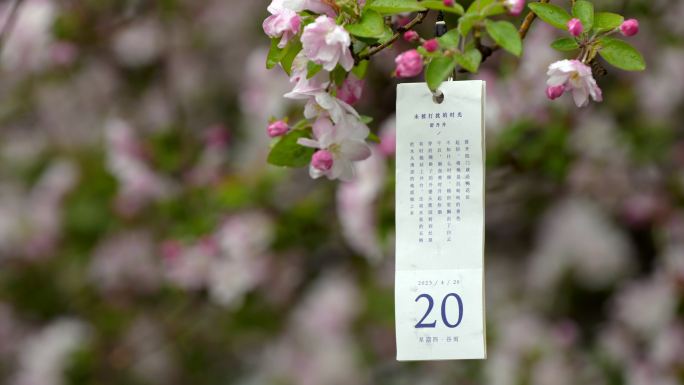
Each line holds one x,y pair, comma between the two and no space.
144,240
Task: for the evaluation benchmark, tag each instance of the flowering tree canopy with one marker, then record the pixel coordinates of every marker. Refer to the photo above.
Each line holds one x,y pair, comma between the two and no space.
325,45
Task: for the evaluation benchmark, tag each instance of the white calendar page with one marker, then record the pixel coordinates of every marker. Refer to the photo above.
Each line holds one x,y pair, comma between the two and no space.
439,283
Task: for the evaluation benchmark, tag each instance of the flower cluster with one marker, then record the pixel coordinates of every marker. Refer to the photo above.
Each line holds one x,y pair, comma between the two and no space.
324,46
337,130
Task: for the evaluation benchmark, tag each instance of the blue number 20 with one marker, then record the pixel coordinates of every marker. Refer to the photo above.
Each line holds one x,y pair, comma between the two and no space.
431,303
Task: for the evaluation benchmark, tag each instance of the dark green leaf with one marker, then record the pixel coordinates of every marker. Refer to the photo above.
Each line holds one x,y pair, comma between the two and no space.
438,70
439,6
390,7
565,44
606,21
506,35
371,25
470,60
622,55
584,11
288,153
552,14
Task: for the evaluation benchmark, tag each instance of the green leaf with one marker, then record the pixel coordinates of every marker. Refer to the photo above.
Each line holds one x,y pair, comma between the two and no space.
565,44
371,25
449,39
606,21
275,54
470,60
312,69
622,55
390,7
552,14
360,69
288,153
506,35
293,49
465,23
486,8
365,119
584,11
373,138
439,6
338,75
438,70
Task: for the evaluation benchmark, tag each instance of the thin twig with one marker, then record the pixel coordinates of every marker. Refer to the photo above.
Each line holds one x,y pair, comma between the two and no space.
525,26
9,22
375,49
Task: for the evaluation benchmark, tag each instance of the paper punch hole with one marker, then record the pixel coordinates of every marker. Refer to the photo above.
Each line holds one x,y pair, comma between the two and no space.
438,97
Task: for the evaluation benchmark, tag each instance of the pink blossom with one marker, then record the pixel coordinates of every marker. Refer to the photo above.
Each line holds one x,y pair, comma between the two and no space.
411,35
449,3
409,64
326,43
431,45
350,91
515,7
346,144
575,27
277,128
575,76
315,6
630,27
306,87
556,92
284,23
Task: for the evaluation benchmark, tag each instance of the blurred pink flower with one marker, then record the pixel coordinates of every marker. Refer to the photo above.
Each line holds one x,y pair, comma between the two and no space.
138,183
44,356
356,207
28,45
125,261
326,43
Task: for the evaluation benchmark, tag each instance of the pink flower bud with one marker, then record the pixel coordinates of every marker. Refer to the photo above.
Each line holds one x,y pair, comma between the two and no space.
431,45
630,27
277,128
515,7
575,27
322,160
409,64
411,36
449,3
351,89
555,92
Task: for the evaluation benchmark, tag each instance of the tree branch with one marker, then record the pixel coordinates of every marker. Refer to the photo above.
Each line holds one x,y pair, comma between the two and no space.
9,22
377,48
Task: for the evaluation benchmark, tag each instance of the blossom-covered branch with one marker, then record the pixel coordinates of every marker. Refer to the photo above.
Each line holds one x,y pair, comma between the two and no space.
324,46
